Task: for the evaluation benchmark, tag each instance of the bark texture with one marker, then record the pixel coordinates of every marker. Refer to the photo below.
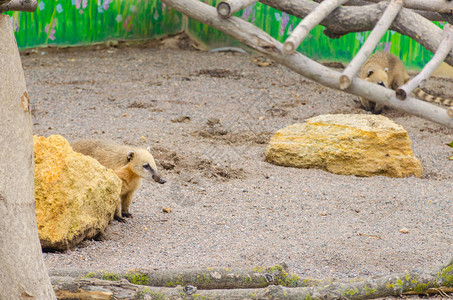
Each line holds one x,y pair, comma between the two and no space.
257,39
18,5
255,283
443,50
348,19
23,274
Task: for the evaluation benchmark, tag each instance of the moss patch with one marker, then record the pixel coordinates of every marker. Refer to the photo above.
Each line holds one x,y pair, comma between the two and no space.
111,276
446,275
137,278
283,278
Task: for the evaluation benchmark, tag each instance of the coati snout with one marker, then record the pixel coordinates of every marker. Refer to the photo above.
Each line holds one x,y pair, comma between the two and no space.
159,179
155,176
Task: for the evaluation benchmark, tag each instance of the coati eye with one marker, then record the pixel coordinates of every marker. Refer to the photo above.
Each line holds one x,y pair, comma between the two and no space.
381,83
146,166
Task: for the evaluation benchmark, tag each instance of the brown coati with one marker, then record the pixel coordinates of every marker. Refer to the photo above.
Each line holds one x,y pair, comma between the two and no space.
388,70
131,164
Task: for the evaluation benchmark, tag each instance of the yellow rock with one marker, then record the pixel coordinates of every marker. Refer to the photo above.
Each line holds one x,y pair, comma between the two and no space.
361,145
75,195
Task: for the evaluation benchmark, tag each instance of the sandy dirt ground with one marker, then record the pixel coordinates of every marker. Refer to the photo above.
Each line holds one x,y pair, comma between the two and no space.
208,117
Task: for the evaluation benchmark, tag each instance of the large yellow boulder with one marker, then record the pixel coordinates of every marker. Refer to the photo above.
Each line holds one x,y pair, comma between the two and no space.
361,145
75,195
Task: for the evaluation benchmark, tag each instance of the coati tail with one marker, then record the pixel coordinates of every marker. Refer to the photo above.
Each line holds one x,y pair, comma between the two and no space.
430,98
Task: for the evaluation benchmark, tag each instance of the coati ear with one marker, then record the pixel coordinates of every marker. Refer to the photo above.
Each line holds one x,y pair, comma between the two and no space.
369,73
130,155
386,70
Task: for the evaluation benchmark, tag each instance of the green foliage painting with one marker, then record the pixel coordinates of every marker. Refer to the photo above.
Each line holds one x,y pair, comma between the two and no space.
76,22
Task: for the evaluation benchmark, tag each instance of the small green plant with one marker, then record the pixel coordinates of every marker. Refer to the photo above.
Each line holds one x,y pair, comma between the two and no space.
111,276
137,278
451,145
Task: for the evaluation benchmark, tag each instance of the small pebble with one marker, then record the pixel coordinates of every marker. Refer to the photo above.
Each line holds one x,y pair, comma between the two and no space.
167,210
404,230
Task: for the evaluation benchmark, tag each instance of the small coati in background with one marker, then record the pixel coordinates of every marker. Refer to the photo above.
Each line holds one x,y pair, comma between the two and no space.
130,164
388,70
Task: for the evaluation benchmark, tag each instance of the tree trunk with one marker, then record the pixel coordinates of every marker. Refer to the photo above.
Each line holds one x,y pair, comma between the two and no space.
23,274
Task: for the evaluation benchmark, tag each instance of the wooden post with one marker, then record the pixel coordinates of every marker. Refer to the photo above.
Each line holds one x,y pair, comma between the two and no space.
308,23
444,48
227,8
370,44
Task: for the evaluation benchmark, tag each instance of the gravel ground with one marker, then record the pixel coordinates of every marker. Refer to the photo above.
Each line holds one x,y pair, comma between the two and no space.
208,117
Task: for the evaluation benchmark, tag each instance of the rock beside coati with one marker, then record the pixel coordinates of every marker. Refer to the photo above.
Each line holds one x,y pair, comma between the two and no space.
130,164
388,70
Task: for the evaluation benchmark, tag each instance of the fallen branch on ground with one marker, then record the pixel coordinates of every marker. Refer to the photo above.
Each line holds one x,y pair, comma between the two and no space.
262,283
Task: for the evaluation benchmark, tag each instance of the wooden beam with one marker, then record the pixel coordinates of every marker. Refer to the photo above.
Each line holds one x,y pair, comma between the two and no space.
370,44
443,6
346,19
227,8
308,23
444,48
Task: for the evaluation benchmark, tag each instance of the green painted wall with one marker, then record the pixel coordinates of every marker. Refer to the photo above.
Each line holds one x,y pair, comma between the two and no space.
75,22
78,22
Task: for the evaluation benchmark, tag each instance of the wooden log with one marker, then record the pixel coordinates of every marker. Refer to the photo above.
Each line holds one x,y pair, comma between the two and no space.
444,48
308,23
72,285
430,15
227,8
255,38
205,278
370,44
348,19
444,6
19,5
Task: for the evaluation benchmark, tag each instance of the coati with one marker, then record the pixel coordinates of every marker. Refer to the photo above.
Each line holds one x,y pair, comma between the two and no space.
388,70
131,164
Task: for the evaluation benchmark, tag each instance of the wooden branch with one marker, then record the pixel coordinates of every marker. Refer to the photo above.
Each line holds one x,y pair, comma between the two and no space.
227,8
206,278
445,6
444,48
370,44
308,23
19,5
255,38
348,19
70,285
430,15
